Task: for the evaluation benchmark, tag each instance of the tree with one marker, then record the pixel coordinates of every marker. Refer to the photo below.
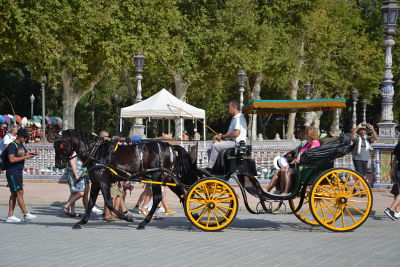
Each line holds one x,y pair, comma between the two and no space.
77,42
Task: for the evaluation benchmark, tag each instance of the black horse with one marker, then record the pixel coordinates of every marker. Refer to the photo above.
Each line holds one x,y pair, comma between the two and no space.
108,162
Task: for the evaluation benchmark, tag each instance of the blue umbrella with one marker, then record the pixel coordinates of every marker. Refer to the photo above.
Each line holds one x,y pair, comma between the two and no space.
2,120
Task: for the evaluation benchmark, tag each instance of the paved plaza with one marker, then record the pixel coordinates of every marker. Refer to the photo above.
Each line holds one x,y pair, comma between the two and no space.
251,240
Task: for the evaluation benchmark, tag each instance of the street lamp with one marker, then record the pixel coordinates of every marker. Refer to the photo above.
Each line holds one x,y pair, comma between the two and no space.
32,98
389,11
354,96
139,64
138,127
115,98
43,81
307,90
364,107
242,79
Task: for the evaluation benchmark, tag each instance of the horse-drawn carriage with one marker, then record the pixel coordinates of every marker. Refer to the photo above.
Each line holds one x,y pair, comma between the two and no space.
337,198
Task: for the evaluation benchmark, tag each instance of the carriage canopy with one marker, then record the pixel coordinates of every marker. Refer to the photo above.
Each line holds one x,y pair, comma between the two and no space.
291,106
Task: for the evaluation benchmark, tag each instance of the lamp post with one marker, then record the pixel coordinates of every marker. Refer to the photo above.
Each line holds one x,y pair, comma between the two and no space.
242,78
43,81
138,128
364,107
115,98
354,96
307,90
32,98
389,11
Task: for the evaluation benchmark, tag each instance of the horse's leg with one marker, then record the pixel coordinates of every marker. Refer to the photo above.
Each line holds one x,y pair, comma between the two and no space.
105,190
94,192
157,196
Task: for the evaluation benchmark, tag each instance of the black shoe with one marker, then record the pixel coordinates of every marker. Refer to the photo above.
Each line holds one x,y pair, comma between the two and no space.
390,214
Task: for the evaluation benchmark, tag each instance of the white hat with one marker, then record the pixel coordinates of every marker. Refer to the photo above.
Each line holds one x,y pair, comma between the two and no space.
280,162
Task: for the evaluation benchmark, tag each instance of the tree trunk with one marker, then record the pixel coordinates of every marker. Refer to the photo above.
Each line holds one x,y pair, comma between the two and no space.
255,94
71,96
181,87
293,94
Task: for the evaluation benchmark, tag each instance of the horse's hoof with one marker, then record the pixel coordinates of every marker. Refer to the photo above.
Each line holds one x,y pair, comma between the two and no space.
140,227
77,226
129,218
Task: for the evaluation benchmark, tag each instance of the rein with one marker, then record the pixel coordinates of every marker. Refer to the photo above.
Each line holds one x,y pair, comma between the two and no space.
94,149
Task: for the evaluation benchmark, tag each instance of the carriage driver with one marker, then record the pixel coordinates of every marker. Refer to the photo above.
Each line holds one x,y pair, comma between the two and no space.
237,132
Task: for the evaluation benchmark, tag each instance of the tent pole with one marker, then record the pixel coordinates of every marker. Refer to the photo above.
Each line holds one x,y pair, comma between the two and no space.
120,124
181,131
147,120
169,126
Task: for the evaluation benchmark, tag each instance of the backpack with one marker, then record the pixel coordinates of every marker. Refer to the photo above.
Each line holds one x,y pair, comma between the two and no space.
4,158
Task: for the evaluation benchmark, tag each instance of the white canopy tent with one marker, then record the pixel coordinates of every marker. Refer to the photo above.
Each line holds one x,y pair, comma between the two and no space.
163,105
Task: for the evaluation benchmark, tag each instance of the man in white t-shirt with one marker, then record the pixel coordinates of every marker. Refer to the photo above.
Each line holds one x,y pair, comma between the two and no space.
237,131
10,136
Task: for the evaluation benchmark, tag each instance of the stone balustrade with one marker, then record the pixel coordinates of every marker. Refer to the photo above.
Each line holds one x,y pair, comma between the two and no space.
43,166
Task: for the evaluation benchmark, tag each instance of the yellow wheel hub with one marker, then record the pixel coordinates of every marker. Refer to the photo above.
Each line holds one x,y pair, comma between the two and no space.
340,200
211,204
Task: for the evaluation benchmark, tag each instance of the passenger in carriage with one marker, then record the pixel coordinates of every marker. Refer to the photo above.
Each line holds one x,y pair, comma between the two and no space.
237,132
311,135
278,179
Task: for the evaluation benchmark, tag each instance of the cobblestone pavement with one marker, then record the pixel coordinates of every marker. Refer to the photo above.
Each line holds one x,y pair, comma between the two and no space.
251,240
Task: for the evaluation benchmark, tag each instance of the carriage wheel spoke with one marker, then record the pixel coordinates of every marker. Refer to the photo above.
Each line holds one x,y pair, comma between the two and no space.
216,217
357,201
206,190
343,224
220,212
325,205
215,187
208,217
198,208
326,190
359,193
223,207
363,213
334,216
201,215
198,201
351,216
199,194
354,185
222,193
223,200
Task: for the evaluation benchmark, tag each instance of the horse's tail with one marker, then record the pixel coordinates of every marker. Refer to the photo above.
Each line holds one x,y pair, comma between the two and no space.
184,168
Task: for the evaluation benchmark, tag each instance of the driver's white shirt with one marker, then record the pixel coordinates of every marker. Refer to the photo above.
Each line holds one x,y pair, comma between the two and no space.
238,123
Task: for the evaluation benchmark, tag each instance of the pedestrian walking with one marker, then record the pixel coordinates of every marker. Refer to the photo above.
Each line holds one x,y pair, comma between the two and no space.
17,154
75,171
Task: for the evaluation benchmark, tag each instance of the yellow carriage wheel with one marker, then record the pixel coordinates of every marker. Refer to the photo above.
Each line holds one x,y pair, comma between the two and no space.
304,214
346,198
211,204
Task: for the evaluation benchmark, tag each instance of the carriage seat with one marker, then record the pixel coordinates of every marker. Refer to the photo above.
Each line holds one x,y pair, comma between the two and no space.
231,159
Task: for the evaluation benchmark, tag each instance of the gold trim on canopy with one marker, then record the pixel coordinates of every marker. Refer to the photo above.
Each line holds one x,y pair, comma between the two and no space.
291,106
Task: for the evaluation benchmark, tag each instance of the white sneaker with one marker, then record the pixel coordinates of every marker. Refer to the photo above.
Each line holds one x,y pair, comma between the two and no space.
29,216
97,211
12,219
161,210
397,215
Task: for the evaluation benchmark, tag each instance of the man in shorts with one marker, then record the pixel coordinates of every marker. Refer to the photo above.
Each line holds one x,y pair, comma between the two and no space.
17,154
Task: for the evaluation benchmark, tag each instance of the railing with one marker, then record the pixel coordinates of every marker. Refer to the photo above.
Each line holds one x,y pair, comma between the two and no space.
263,152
